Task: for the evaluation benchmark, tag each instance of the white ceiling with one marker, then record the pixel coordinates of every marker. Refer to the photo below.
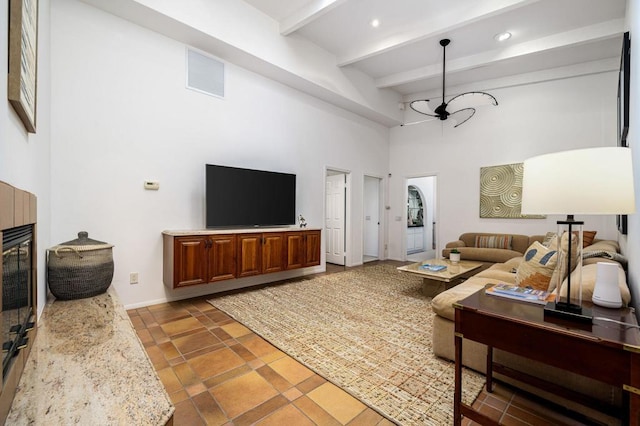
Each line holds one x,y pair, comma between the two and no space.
404,54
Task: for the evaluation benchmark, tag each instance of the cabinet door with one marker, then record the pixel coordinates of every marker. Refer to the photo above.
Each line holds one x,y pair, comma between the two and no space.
190,261
418,238
272,252
249,254
411,244
311,248
295,250
222,257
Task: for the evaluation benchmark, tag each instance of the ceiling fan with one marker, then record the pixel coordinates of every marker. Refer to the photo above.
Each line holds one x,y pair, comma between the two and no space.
460,108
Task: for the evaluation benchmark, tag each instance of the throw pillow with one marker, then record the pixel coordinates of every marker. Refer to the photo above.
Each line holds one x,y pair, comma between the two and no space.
537,267
494,241
588,237
549,238
562,271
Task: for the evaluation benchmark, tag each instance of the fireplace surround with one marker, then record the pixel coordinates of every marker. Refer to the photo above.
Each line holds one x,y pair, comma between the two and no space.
18,287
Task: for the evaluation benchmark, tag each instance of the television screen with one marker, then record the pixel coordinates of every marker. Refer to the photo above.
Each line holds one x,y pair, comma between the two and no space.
245,197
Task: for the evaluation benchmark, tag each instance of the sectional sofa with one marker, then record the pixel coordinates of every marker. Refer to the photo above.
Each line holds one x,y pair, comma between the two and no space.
489,249
474,354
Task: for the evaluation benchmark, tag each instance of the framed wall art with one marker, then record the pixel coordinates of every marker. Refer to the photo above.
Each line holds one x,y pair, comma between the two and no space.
624,76
23,58
624,82
501,192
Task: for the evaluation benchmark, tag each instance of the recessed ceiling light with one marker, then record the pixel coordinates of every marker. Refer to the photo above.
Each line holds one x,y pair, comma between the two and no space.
502,36
375,23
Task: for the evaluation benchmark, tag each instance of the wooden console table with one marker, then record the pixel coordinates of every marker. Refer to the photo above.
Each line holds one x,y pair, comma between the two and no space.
604,351
195,257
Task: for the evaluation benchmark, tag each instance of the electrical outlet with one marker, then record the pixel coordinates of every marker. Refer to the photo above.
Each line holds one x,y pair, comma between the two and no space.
133,278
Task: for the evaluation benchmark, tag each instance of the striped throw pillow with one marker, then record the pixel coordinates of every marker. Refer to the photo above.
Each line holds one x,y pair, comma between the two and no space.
494,241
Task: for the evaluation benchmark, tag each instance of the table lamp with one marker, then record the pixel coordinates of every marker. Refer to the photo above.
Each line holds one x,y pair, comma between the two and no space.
593,181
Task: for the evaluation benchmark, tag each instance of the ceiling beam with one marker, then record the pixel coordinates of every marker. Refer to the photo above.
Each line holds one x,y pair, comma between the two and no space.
307,14
427,29
596,32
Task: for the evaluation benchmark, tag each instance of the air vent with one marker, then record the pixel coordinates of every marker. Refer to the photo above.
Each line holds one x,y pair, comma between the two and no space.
205,74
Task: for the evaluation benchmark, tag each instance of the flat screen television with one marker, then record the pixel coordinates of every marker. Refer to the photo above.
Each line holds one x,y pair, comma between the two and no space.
236,197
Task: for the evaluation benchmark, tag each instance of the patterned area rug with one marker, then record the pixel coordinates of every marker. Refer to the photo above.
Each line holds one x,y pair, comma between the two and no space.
368,331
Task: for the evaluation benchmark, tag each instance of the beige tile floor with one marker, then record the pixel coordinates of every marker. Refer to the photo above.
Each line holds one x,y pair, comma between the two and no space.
218,372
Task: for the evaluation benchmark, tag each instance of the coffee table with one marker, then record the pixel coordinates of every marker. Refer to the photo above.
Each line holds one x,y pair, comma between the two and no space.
437,282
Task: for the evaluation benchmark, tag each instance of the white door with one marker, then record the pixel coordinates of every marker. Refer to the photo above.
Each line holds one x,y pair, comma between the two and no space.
334,218
371,218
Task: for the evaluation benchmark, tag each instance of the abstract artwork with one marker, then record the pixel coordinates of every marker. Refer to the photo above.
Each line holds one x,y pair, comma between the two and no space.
23,56
501,192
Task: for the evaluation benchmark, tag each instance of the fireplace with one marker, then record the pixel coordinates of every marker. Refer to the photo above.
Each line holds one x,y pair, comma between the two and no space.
17,297
18,287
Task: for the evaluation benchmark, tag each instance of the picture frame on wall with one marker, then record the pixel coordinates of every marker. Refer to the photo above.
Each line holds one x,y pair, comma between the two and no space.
624,77
23,60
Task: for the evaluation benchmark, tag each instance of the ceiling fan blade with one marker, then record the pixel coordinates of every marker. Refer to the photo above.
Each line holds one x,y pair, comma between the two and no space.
471,100
462,115
423,107
411,123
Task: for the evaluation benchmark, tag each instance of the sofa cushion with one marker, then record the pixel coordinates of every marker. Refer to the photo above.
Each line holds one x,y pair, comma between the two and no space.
537,267
503,272
494,241
442,304
604,245
519,242
493,255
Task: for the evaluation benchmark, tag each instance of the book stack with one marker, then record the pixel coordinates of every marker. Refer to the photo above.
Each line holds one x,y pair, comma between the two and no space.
526,294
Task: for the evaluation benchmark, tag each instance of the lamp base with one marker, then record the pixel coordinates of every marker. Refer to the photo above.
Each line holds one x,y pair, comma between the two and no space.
568,311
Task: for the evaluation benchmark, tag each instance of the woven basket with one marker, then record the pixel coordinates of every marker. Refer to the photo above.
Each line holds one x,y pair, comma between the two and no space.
79,268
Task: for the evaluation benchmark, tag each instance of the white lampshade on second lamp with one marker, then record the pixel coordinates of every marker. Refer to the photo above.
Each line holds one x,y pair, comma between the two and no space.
593,181
584,181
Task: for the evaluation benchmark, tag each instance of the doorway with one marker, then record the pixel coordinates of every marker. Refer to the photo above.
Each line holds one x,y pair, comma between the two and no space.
335,216
421,230
372,214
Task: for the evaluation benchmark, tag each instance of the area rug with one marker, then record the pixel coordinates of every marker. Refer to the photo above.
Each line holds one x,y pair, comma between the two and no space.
366,330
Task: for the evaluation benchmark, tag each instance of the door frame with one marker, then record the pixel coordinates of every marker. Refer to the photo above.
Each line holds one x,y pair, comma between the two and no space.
347,211
381,215
436,211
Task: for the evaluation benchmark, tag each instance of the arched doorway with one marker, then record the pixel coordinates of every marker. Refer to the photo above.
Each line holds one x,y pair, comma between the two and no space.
421,218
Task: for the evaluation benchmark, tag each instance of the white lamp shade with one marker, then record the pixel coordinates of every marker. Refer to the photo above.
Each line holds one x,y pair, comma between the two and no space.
584,181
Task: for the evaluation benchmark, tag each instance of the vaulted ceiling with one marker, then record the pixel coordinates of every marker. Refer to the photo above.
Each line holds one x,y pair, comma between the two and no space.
403,52
330,50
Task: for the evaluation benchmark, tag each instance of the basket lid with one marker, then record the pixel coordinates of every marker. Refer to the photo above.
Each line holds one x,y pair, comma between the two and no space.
83,240
84,243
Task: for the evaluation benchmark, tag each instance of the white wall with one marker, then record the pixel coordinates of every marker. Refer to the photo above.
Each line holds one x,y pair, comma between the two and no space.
631,242
529,120
250,39
121,115
24,157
